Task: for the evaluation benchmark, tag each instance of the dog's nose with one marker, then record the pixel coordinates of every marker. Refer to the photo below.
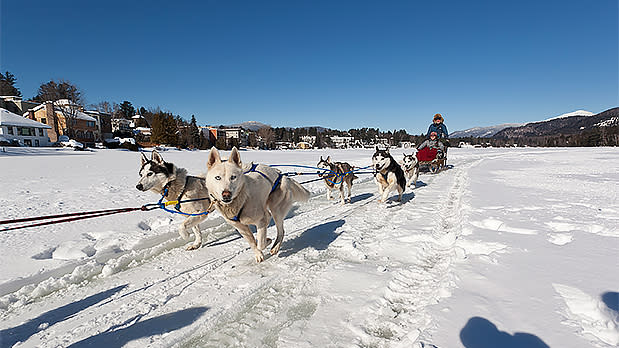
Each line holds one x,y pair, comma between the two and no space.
226,195
139,187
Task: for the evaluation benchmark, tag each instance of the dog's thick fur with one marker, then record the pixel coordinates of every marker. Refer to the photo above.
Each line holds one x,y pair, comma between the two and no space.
246,198
410,165
157,174
389,175
335,176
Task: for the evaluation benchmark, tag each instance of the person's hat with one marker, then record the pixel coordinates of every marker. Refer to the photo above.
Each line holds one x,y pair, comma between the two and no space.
438,117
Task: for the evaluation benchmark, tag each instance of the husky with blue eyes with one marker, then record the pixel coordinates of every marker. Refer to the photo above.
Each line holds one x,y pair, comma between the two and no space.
250,195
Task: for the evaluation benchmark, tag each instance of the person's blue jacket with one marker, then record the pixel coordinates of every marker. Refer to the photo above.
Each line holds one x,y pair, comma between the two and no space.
440,129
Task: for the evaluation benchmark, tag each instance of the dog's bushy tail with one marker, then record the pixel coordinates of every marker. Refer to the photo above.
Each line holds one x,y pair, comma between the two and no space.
297,192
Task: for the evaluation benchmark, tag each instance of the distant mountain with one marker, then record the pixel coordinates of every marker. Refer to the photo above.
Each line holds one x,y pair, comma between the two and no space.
482,132
572,123
250,125
573,113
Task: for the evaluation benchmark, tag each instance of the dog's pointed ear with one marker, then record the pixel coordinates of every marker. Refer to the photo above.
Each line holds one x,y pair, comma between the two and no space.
143,159
156,157
235,156
321,159
213,158
328,159
376,148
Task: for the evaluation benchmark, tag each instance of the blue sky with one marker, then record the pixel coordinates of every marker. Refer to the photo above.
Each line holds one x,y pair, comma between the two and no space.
337,64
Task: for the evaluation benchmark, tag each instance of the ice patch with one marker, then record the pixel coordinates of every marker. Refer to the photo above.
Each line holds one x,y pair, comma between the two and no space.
560,238
590,314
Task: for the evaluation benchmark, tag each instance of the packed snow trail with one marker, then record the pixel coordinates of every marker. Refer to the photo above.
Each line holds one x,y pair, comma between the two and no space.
357,275
223,298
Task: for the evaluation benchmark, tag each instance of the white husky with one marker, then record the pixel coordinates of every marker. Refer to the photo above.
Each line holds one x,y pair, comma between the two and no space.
164,178
250,195
410,165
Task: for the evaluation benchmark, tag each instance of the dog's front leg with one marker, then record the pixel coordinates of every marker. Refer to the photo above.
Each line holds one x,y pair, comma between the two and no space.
386,192
262,225
342,195
192,223
246,233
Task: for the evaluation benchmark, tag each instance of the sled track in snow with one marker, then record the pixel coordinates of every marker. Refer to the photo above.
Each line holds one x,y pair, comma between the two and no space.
265,311
257,316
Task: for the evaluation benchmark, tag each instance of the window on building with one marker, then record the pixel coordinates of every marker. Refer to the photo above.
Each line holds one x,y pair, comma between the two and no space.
40,132
36,142
25,131
10,130
44,120
90,123
27,142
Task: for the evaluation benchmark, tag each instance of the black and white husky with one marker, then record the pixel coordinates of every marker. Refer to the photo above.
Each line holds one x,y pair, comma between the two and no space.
250,195
336,174
166,179
410,165
389,174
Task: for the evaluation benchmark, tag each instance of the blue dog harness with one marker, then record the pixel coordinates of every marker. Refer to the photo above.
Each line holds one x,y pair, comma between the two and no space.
274,186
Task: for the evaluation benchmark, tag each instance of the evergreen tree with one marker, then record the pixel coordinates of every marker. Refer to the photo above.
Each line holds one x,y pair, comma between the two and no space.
7,85
126,110
194,133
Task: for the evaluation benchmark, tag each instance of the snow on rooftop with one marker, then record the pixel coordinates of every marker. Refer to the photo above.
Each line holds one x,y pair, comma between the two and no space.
12,119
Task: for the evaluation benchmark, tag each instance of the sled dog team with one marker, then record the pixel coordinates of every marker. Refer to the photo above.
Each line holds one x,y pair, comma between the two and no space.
251,194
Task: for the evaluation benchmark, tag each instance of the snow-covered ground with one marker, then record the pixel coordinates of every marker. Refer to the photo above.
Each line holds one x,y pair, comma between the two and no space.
506,248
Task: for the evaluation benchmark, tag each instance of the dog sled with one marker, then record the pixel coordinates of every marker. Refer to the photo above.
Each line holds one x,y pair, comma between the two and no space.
432,159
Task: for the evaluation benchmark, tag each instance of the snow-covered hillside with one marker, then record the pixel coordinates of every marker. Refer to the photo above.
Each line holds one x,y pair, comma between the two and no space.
506,248
482,132
569,114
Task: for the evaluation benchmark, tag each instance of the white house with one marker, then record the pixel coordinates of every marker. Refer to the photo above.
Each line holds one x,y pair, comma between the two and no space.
26,131
343,142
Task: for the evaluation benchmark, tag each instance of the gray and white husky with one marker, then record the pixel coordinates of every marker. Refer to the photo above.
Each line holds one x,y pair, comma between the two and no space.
335,175
389,174
250,195
158,175
410,165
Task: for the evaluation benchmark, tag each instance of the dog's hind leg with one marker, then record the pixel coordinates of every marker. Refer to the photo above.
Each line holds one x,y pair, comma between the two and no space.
349,184
342,194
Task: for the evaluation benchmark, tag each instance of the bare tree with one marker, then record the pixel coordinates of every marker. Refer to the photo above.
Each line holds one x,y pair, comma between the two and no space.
104,106
66,97
268,136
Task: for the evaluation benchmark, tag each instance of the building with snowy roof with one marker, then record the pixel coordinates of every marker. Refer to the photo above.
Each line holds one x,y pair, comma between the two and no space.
65,118
26,132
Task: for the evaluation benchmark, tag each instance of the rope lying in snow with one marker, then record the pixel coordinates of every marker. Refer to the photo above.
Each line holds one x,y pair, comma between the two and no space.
69,217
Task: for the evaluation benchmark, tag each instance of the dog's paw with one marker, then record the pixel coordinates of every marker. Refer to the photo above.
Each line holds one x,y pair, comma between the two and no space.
275,249
259,256
192,247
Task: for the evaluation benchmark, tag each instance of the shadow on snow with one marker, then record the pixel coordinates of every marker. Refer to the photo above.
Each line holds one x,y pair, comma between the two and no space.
318,237
481,333
119,335
611,300
21,333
